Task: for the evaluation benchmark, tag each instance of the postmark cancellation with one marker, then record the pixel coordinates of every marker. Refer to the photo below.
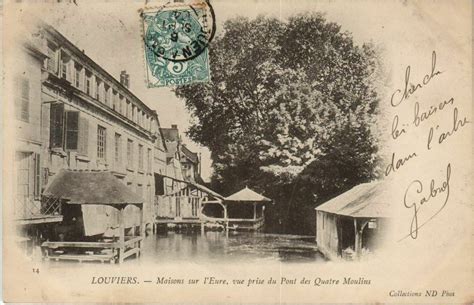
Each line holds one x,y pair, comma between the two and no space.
176,39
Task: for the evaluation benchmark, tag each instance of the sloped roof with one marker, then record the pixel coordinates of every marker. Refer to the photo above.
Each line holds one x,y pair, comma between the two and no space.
367,200
205,189
247,194
192,156
90,187
170,134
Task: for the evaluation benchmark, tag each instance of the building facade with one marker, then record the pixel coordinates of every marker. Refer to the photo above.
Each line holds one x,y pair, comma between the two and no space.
180,193
25,87
72,114
95,121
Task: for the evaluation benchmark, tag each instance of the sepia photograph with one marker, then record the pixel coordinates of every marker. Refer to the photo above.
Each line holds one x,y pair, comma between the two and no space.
254,151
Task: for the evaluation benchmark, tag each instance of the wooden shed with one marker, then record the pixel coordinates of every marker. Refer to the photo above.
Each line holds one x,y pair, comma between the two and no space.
353,221
103,218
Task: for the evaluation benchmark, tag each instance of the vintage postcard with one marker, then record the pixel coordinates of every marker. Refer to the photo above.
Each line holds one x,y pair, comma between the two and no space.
237,152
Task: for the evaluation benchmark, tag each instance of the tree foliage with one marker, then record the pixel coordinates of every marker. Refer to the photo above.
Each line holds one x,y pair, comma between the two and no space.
290,111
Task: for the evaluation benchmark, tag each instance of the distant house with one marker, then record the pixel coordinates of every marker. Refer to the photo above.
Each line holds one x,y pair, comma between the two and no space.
178,152
190,163
179,193
353,221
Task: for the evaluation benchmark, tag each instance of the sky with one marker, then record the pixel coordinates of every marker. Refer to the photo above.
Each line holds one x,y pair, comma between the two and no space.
110,33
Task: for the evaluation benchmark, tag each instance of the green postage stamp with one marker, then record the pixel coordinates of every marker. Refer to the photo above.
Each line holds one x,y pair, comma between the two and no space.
176,38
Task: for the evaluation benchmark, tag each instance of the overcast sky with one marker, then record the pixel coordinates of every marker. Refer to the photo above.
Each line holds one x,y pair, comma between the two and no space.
110,33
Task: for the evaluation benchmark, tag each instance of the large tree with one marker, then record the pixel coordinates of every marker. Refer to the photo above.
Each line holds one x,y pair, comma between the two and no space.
290,111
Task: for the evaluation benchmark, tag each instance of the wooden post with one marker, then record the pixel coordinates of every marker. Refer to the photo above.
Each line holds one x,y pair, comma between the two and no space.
142,230
357,239
226,224
358,235
254,210
121,248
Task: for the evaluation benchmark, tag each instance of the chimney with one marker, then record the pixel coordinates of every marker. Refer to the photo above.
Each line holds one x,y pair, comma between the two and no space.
125,79
174,126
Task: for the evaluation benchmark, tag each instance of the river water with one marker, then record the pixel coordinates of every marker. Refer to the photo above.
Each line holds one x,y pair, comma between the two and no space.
236,246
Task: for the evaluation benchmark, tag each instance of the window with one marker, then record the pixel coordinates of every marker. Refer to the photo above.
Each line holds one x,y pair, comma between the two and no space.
133,113
72,130
56,126
28,180
118,149
77,76
130,154
64,70
52,60
128,110
101,142
88,83
65,66
148,157
68,130
106,94
140,157
114,100
120,105
98,95
22,104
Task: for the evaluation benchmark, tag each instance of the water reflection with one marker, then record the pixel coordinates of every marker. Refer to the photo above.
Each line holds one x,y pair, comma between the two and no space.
216,246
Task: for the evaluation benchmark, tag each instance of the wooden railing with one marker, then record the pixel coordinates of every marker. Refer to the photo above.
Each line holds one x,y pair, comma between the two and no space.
132,245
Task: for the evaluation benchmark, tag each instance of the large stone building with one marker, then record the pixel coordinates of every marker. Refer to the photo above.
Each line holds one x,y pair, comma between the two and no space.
72,114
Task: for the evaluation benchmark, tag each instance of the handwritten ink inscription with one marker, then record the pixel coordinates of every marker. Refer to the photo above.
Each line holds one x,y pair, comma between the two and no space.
417,195
410,88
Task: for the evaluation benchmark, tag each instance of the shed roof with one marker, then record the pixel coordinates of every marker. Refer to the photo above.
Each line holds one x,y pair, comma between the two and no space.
205,189
367,200
91,187
247,194
200,187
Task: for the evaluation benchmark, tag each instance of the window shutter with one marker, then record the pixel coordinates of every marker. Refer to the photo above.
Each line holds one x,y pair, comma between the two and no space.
56,126
70,71
72,129
52,59
22,102
37,176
